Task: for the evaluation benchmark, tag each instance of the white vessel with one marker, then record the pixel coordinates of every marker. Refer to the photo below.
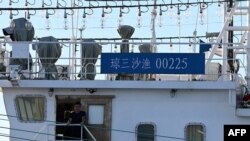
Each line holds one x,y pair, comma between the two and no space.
126,105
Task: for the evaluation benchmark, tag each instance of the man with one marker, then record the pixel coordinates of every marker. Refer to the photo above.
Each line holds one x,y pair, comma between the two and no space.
77,117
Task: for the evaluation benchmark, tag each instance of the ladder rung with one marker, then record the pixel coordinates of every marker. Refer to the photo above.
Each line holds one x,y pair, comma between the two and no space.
243,7
238,28
240,13
240,52
237,47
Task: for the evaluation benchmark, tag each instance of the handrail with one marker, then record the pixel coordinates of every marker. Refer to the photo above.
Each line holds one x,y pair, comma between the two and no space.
91,135
82,125
36,70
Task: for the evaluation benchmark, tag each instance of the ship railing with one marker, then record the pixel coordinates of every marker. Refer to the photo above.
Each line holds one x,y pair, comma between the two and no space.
74,64
83,127
36,71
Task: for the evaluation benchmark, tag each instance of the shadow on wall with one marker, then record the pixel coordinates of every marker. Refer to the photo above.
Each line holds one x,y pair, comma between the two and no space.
3,120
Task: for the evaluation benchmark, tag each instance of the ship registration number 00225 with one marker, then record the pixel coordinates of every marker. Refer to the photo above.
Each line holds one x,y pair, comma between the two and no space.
158,63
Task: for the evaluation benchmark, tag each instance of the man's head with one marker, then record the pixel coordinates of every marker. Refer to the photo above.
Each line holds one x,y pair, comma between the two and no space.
77,107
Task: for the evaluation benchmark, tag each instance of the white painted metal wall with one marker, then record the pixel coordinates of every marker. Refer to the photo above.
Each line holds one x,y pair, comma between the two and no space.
9,100
170,113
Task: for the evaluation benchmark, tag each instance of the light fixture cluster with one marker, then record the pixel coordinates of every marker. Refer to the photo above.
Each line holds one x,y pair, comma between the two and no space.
88,7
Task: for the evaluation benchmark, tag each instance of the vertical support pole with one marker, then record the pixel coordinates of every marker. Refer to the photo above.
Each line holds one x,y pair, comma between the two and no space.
70,62
153,40
248,49
81,64
224,47
47,132
74,57
224,66
153,17
2,60
36,60
73,45
248,59
230,52
195,41
81,132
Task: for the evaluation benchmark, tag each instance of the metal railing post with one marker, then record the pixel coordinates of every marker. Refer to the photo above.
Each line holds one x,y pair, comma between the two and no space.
81,132
47,132
81,125
91,135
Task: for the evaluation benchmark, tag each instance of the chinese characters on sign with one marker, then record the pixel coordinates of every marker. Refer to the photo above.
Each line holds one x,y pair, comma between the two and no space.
161,63
135,63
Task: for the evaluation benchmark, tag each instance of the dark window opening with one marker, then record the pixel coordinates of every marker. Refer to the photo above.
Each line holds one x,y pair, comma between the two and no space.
145,132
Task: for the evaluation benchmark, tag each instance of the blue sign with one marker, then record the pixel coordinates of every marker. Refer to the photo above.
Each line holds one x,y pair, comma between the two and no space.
158,63
204,47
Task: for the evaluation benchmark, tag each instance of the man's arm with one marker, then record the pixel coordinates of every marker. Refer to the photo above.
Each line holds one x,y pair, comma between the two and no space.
69,121
83,117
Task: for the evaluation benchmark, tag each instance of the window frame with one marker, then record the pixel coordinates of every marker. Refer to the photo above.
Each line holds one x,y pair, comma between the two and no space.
18,112
194,124
87,116
142,123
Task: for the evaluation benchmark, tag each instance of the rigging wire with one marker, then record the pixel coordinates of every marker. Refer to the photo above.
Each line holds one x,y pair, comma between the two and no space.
94,127
207,3
39,133
20,138
102,128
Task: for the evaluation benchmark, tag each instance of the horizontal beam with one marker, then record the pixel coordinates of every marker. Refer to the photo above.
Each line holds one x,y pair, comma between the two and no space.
106,84
238,13
243,7
238,28
121,4
135,38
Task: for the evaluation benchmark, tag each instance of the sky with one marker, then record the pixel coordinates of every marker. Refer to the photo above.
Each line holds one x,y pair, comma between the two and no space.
190,20
166,25
93,22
